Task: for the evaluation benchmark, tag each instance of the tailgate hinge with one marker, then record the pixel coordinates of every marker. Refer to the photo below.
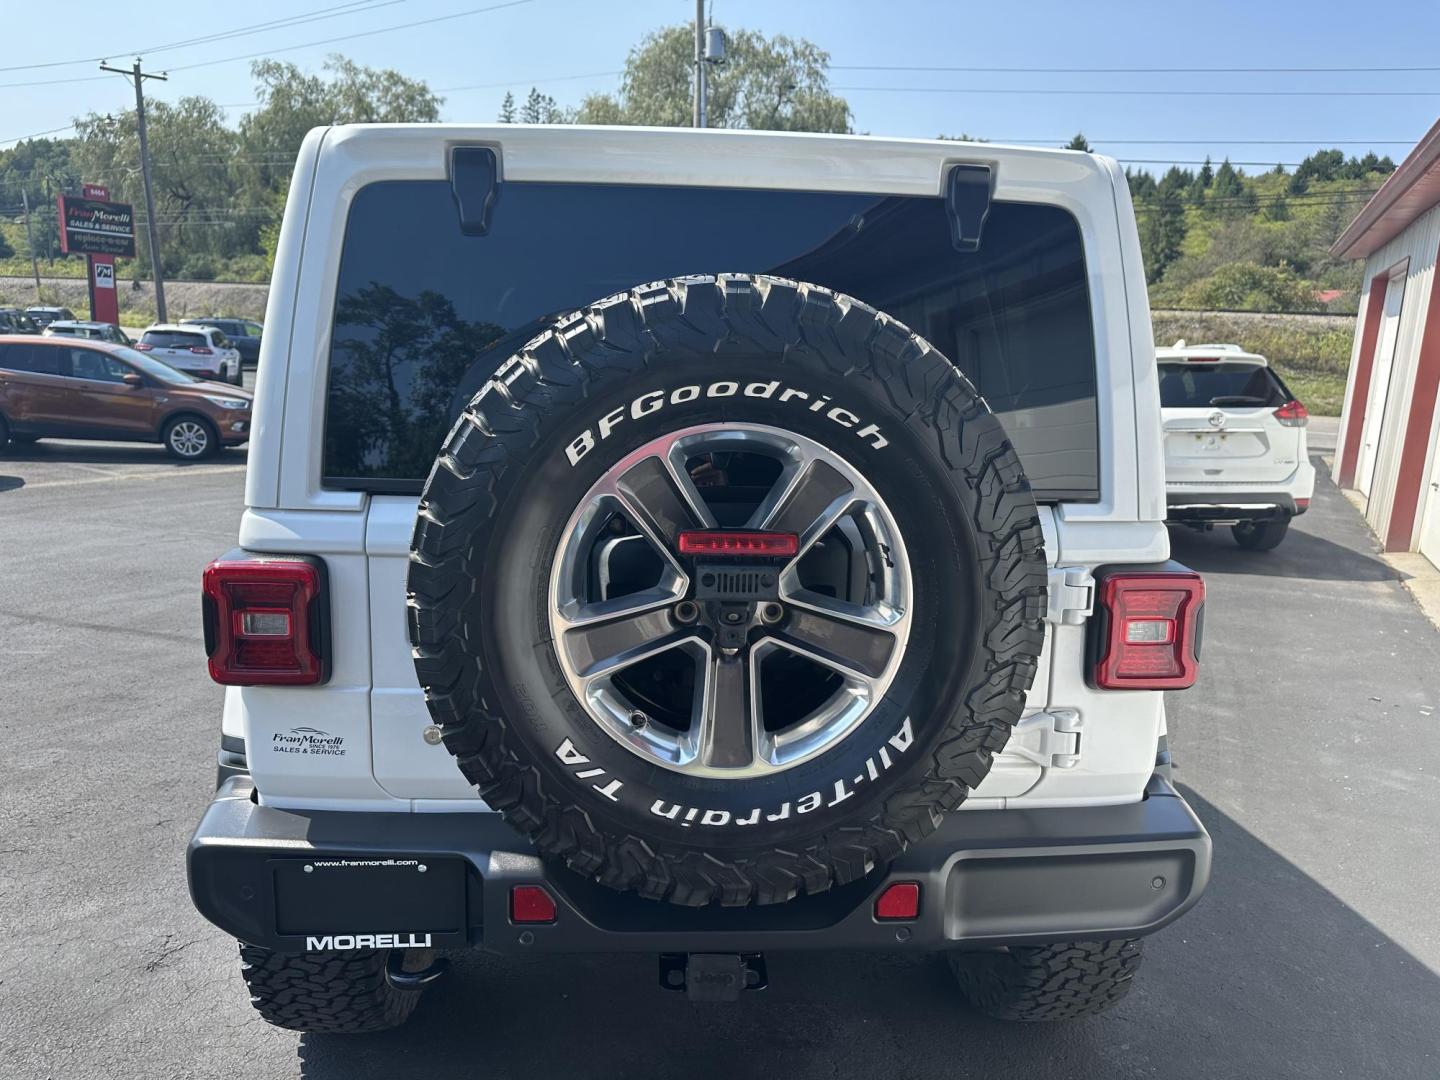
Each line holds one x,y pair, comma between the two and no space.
1050,739
1072,595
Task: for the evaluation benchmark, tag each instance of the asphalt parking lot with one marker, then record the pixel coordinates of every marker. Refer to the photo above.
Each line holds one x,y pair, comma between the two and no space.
1310,749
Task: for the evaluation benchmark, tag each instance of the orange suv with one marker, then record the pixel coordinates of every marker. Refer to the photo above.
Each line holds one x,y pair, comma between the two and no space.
60,388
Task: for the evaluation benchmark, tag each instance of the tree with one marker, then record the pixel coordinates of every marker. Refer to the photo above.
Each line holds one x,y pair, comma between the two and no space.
507,109
292,102
192,154
541,109
772,84
1227,182
1078,142
6,251
1162,230
1207,174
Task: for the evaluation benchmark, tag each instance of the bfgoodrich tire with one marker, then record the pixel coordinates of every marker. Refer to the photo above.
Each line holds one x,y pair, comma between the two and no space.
329,992
1030,983
771,364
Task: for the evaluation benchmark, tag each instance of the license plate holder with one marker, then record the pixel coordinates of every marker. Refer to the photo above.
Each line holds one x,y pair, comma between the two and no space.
410,898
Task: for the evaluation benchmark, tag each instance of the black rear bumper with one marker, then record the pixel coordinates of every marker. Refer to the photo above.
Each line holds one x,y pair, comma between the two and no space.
986,877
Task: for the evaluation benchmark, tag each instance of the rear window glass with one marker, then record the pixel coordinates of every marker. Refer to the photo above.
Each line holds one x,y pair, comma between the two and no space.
1208,385
173,339
424,314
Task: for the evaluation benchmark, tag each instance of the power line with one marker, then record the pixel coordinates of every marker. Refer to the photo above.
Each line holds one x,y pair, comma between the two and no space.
352,37
1220,142
1147,92
527,82
37,134
968,69
352,7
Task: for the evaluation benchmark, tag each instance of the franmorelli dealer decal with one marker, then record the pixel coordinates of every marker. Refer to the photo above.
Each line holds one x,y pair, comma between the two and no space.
308,740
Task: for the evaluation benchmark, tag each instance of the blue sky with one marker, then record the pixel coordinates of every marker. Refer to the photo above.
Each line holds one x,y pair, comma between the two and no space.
543,41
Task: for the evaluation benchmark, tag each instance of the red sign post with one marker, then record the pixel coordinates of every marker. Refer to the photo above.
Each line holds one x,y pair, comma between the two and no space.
101,230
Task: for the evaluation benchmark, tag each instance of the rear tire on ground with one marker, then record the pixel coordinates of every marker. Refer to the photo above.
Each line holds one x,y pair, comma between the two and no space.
328,992
1260,535
190,438
1031,983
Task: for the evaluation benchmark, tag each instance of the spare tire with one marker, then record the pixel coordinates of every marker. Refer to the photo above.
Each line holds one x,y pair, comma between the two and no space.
703,727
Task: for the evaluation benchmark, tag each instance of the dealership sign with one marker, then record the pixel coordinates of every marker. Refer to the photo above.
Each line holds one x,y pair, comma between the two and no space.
96,227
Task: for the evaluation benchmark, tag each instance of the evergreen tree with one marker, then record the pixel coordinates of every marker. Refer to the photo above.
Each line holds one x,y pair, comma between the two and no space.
507,109
1162,230
1079,142
1207,174
1278,209
1227,182
541,109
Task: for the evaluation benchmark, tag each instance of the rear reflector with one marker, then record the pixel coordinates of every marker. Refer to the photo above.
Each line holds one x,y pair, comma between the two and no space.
899,901
739,543
531,904
1293,414
265,621
1301,505
1148,629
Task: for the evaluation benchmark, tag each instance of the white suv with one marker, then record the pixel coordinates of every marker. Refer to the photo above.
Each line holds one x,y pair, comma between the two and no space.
1235,450
203,351
631,563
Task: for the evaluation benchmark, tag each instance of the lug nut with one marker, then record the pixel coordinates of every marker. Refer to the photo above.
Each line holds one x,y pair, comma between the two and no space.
772,613
686,611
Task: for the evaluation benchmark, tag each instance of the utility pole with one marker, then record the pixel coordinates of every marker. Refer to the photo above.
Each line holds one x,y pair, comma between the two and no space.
138,77
699,64
30,239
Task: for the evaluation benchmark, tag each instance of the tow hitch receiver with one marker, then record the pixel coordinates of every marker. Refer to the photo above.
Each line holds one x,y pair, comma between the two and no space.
713,976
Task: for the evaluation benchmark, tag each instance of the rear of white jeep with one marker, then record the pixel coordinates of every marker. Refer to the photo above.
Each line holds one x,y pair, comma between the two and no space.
699,544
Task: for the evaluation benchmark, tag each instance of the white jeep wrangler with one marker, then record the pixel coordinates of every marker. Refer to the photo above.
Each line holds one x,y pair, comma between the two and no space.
699,543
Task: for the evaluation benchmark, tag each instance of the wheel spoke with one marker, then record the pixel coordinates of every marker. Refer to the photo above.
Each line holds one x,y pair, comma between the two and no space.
663,501
816,497
727,734
603,642
853,640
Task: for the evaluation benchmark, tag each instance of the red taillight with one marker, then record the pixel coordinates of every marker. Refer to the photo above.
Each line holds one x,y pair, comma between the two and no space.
201,350
1148,624
143,346
265,621
1293,414
739,543
899,901
1301,505
531,904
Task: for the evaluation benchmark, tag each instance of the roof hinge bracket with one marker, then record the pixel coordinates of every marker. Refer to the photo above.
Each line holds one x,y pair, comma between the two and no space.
968,191
475,183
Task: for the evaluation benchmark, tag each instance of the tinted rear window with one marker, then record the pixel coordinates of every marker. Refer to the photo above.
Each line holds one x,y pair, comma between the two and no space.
41,359
425,314
1217,385
173,339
